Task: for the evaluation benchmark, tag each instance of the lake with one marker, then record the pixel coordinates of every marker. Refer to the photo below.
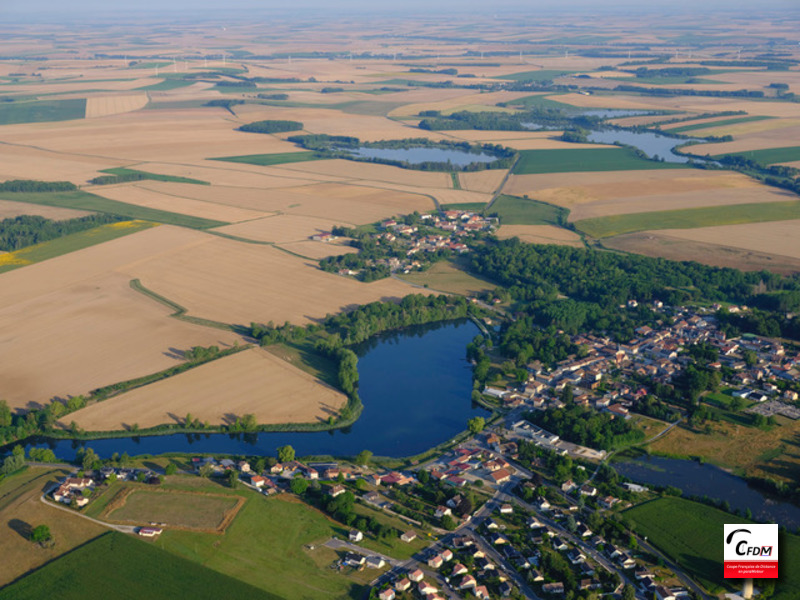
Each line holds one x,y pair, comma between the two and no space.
415,386
703,479
652,144
423,154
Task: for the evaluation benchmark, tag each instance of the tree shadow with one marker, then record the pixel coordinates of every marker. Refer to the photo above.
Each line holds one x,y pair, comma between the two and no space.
21,527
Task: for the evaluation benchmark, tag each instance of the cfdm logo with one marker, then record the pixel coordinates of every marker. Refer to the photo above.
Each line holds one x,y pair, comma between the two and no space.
751,551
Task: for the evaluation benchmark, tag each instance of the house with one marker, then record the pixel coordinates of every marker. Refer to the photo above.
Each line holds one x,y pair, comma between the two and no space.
258,481
387,594
482,593
491,524
435,561
355,535
409,536
575,557
663,593
558,543
506,588
447,555
588,490
243,466
149,531
376,562
402,585
336,490
426,588
276,469
497,539
352,559
543,505
500,476
584,531
553,588
506,509
416,576
468,581
459,569
626,561
442,511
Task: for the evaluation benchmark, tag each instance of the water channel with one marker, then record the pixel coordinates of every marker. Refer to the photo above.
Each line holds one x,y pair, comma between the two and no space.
415,386
703,479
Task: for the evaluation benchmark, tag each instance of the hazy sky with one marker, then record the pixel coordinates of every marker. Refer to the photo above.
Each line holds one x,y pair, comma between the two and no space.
43,7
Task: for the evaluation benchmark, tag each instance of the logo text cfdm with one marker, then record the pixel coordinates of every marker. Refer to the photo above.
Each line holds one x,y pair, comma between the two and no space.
751,551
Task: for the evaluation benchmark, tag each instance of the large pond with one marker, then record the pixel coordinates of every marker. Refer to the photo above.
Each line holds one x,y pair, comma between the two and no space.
703,479
652,144
419,155
415,386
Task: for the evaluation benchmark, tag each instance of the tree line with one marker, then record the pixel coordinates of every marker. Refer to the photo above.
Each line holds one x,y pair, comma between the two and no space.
271,126
26,230
30,185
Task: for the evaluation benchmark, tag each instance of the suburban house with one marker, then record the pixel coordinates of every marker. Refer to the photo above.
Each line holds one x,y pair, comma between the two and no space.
355,535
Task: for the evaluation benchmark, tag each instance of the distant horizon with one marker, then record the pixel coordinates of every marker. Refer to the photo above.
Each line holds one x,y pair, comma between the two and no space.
41,10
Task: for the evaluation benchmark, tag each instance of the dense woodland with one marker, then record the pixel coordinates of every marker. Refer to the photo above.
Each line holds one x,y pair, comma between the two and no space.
586,426
272,126
25,230
30,185
500,121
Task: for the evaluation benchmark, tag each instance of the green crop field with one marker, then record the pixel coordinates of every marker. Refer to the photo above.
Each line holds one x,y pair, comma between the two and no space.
572,160
539,101
721,123
449,277
193,511
514,210
119,566
86,201
154,176
166,85
690,218
266,160
769,156
42,111
265,546
542,75
69,243
691,534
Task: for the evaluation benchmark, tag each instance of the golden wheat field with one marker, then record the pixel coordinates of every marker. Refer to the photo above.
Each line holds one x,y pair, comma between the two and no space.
103,106
250,382
540,234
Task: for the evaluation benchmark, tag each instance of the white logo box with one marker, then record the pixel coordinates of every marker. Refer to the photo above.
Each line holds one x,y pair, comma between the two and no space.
751,551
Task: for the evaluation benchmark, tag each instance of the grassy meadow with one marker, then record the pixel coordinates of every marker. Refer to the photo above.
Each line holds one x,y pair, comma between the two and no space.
690,533
722,123
119,566
153,176
768,156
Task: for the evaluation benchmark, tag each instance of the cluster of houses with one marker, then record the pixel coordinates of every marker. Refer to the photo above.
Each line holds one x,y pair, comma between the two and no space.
469,464
75,491
655,354
72,490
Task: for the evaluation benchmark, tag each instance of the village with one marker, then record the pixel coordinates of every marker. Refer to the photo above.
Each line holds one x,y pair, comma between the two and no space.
411,243
514,510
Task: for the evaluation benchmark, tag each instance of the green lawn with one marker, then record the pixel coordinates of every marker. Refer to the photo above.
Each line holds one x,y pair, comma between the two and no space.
769,156
69,243
119,566
42,111
691,534
528,76
724,122
572,160
690,218
266,160
265,547
514,210
85,201
154,176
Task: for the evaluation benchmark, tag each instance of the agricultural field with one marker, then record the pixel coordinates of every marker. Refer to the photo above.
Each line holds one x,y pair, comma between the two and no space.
581,160
103,106
690,218
770,156
279,229
690,533
42,111
449,277
176,509
540,234
513,210
131,569
250,382
266,546
21,510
